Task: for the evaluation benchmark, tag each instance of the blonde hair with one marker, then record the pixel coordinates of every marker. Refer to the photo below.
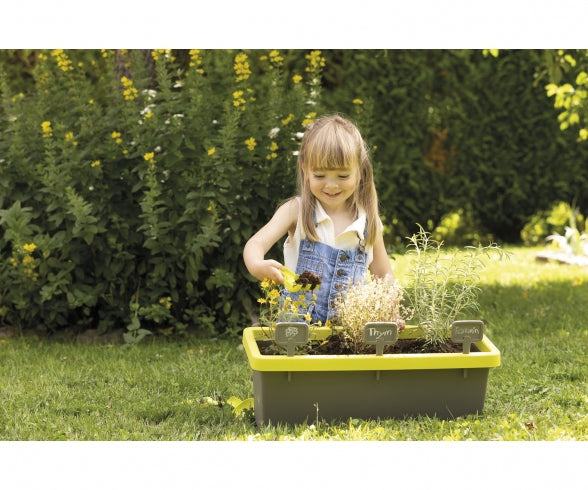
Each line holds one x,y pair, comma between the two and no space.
330,143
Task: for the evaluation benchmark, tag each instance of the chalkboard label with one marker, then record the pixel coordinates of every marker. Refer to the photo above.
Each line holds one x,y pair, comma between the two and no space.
467,331
472,330
291,334
380,334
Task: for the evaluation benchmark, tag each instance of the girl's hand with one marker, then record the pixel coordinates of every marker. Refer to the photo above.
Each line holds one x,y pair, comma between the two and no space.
268,269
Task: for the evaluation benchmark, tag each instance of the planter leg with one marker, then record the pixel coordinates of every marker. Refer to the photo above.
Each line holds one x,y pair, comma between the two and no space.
465,373
377,375
290,376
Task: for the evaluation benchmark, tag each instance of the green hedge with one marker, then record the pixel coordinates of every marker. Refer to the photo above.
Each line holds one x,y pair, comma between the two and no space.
460,129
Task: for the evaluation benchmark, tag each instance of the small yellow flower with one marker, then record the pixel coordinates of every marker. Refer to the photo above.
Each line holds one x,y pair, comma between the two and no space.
267,283
261,301
238,99
357,101
251,143
316,61
29,247
296,78
95,163
211,151
63,62
46,128
287,119
116,137
275,57
241,67
27,259
149,157
69,136
309,119
130,92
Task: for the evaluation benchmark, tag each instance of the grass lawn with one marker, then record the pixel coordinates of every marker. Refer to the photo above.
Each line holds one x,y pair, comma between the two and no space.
535,313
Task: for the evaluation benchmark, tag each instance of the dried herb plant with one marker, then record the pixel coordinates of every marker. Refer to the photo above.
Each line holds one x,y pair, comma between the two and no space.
443,285
374,301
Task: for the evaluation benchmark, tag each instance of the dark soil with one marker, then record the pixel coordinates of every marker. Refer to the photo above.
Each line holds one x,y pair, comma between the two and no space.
308,278
338,344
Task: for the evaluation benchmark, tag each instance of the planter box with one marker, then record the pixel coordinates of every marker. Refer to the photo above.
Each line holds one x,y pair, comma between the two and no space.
313,387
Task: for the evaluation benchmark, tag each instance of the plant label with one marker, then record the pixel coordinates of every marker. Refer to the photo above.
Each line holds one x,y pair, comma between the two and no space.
467,331
291,334
380,334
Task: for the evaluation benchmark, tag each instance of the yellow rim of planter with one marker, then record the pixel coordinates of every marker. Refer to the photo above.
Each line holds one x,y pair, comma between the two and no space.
487,357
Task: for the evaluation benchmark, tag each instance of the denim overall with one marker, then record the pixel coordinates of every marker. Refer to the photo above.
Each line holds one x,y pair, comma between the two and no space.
338,268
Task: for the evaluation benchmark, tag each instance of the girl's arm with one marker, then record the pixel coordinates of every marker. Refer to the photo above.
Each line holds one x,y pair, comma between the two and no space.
380,266
283,221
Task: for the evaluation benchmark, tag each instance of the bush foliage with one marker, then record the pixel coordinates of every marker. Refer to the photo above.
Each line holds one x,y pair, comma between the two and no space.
130,180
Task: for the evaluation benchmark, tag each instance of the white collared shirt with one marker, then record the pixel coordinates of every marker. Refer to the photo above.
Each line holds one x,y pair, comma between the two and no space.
325,229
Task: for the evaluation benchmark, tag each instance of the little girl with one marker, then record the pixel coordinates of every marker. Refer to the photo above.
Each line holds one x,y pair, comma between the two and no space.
333,227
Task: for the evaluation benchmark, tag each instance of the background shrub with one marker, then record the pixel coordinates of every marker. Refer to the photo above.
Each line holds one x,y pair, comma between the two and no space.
130,181
459,129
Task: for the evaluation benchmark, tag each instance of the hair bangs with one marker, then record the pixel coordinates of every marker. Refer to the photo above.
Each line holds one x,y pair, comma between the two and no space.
336,151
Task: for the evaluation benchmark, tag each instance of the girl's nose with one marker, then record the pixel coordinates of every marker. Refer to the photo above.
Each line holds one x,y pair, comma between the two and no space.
331,183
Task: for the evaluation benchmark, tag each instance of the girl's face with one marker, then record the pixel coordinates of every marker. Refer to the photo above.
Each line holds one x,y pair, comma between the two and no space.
333,188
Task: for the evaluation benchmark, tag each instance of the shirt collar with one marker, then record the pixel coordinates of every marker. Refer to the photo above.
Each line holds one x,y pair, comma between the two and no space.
357,226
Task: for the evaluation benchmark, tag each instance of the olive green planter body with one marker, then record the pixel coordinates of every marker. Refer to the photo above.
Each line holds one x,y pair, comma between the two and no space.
307,388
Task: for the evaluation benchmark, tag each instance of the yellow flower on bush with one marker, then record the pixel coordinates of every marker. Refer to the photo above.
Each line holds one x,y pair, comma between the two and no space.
166,302
115,135
251,143
211,151
95,163
29,247
275,57
357,101
166,53
238,100
46,128
69,136
316,61
287,120
297,78
130,92
273,147
241,67
149,157
309,118
196,60
63,62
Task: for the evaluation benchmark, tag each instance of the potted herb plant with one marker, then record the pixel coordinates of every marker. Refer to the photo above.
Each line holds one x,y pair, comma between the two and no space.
367,364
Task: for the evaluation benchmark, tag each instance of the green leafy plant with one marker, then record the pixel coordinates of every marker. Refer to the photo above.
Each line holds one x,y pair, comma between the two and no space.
443,285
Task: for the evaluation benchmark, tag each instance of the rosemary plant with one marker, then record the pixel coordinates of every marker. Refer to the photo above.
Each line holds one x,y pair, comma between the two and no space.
443,285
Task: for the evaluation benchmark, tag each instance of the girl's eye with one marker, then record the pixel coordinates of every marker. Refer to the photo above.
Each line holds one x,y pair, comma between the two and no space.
318,176
344,176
